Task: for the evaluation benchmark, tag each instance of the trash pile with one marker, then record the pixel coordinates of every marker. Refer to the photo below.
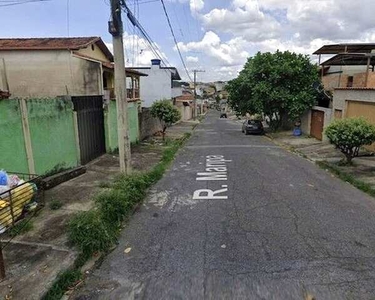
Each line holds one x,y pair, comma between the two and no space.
16,197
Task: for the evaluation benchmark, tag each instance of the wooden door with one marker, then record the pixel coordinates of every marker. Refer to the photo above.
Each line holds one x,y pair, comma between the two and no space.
317,124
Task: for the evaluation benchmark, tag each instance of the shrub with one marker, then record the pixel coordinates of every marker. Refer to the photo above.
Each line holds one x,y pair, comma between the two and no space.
90,233
166,113
349,135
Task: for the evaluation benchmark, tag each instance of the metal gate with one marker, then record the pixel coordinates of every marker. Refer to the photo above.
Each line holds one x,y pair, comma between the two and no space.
317,124
90,117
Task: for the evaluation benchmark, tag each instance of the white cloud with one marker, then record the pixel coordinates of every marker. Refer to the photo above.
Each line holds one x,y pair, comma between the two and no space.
193,59
229,53
196,5
243,19
137,51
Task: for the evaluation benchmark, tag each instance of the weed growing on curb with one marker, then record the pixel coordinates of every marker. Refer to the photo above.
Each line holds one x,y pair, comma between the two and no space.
363,186
64,281
55,204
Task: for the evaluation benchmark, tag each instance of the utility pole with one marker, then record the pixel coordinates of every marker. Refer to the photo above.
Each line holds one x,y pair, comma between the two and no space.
195,91
116,30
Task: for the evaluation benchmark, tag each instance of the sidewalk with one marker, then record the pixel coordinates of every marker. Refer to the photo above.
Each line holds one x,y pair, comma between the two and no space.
363,168
34,259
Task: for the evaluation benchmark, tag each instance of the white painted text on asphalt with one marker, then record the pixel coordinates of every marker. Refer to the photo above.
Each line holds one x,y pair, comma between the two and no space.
216,170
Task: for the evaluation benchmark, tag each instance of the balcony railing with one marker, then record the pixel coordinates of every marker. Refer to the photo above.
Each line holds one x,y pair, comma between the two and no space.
129,94
132,94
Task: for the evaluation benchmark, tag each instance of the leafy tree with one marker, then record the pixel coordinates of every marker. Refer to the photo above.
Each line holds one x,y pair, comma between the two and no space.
349,135
275,84
166,113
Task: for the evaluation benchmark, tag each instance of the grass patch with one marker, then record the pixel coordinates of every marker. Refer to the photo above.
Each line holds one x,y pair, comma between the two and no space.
21,227
97,230
104,185
55,204
363,186
65,280
90,234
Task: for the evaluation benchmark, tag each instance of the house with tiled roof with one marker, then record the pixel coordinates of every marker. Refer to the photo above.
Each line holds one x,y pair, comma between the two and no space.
50,67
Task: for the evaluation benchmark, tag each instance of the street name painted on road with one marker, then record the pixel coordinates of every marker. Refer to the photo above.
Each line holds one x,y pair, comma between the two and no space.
216,170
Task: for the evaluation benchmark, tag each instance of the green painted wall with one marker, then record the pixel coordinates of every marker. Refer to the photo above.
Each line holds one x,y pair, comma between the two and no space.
111,125
52,134
12,146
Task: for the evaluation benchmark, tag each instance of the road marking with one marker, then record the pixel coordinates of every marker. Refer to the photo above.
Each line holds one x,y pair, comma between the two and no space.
216,170
230,146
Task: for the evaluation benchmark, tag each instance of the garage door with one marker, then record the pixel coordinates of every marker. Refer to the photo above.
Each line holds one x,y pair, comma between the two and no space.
317,124
362,109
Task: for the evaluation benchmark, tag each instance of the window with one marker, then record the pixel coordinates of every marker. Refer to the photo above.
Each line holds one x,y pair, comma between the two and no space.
350,81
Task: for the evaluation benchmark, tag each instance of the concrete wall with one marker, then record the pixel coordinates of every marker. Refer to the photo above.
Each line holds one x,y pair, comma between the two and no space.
306,120
340,97
12,145
156,86
51,74
51,133
110,120
148,125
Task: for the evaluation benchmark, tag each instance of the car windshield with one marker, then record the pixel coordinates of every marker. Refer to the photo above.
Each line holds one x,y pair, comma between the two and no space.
253,122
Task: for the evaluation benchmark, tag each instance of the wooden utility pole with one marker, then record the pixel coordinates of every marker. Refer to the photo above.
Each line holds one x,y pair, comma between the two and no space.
116,30
195,91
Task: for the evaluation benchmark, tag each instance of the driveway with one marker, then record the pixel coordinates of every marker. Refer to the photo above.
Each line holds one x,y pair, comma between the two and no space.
269,225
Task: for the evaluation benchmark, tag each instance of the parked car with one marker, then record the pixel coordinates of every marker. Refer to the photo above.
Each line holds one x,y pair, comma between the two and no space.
252,127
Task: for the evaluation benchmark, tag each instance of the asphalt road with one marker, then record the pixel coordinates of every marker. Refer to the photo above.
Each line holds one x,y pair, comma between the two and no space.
287,230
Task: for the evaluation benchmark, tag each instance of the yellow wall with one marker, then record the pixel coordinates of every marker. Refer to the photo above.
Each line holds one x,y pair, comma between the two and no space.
95,54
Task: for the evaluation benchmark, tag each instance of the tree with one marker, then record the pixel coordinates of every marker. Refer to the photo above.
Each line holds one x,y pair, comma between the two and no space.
166,113
275,84
349,135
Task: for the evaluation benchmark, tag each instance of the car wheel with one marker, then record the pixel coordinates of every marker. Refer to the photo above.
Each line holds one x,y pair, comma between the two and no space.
246,133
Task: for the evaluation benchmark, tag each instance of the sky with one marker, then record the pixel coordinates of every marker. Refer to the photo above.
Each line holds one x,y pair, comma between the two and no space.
213,35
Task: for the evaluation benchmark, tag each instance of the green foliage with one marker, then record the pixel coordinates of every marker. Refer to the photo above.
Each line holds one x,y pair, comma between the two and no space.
64,281
113,206
348,135
363,186
55,204
90,233
21,227
166,113
274,84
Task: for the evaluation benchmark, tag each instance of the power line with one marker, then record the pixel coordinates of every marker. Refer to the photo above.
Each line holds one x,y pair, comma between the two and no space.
175,40
154,48
12,3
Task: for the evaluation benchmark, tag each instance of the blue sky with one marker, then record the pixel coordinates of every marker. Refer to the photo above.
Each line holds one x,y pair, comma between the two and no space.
215,35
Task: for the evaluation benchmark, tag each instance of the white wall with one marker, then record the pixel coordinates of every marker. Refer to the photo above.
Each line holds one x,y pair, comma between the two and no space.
156,86
50,73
